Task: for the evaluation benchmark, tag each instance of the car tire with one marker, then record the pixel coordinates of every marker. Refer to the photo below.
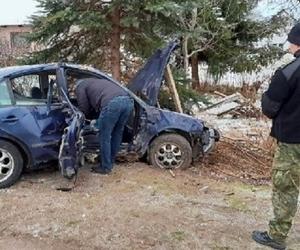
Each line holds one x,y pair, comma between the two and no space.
170,151
11,164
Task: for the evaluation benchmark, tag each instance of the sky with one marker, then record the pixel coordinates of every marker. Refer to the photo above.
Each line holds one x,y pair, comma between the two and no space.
16,11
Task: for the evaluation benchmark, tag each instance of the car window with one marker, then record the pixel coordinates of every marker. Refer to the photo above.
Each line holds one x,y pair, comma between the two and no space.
5,98
27,90
55,90
72,77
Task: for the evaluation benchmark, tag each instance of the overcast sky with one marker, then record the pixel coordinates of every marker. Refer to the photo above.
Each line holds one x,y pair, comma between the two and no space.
16,11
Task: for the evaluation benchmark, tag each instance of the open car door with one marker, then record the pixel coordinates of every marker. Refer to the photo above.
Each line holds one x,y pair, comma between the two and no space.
69,157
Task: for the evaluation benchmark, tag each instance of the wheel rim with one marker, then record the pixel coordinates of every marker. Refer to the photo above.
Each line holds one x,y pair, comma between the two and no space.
6,164
169,156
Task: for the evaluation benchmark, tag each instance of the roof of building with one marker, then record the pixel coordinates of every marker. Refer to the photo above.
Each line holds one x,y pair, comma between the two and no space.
14,25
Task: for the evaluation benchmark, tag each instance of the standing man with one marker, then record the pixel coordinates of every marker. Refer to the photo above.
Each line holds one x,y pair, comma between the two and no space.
281,103
113,106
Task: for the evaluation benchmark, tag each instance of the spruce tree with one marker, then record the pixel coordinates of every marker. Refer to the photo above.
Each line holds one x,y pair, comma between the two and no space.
103,33
223,33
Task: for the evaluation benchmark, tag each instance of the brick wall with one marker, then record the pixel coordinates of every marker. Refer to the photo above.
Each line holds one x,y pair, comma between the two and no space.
13,44
13,36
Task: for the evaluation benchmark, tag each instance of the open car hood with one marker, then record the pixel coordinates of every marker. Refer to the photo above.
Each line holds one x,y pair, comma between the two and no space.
148,80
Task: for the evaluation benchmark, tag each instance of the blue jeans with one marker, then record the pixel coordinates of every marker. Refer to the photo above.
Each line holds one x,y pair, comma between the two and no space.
111,122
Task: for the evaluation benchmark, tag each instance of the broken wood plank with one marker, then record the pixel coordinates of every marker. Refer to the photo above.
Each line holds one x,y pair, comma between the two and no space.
223,108
235,112
219,94
228,110
231,98
173,90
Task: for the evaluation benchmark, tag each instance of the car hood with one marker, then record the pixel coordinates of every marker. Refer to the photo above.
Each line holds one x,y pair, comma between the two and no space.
148,80
165,119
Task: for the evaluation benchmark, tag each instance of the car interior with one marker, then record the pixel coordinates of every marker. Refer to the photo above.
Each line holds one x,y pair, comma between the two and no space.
40,87
32,89
132,126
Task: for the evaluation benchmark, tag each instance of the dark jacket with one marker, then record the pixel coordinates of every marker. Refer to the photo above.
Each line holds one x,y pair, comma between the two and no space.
281,102
94,94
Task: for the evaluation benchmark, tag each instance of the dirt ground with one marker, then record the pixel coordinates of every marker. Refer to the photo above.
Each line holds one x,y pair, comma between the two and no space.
212,205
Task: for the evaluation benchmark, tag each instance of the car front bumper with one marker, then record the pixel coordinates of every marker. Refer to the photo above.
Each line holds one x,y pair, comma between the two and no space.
209,139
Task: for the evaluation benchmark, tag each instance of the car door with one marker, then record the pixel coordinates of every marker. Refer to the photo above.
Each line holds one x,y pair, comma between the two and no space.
69,154
30,119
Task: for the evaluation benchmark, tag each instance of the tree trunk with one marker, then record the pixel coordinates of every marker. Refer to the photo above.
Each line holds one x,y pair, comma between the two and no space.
185,56
195,72
115,44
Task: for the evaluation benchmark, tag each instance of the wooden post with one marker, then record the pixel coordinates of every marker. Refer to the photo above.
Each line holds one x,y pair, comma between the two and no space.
173,90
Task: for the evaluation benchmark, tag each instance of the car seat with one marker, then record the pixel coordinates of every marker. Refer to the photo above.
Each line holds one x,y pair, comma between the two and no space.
36,93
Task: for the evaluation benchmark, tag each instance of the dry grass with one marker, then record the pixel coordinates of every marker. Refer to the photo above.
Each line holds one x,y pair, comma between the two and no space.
243,160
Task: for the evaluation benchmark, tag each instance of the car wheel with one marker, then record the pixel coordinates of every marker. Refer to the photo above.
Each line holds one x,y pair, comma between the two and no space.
11,164
170,151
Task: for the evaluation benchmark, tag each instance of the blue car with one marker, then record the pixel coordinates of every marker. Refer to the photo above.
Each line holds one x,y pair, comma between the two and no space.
40,123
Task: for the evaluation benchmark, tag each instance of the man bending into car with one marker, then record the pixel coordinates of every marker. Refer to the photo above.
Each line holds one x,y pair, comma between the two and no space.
111,105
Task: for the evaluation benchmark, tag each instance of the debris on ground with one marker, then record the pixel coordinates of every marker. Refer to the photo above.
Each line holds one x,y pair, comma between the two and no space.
239,159
246,149
234,106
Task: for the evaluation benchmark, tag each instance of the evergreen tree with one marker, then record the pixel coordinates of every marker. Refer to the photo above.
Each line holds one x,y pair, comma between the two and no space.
86,31
103,33
222,33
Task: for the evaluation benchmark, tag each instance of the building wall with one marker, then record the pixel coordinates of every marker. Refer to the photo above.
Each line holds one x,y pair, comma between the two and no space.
13,35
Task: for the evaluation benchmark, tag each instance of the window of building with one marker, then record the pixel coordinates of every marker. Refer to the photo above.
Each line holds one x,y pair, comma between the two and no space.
19,40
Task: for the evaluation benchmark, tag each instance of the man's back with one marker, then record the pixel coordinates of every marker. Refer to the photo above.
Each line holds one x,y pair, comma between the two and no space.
93,94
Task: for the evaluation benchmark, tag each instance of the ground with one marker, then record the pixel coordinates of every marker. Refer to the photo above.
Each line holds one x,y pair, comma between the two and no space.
138,207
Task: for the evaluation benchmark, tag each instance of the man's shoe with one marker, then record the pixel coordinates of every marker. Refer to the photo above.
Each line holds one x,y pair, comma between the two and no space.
264,239
102,171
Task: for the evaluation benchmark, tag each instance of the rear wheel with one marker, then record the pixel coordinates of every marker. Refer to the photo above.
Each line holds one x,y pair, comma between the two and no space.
170,151
11,164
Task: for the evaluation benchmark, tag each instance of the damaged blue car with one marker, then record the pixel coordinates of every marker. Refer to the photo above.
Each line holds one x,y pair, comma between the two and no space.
40,123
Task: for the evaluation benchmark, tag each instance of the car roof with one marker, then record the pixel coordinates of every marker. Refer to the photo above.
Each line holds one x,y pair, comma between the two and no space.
7,71
14,70
27,69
